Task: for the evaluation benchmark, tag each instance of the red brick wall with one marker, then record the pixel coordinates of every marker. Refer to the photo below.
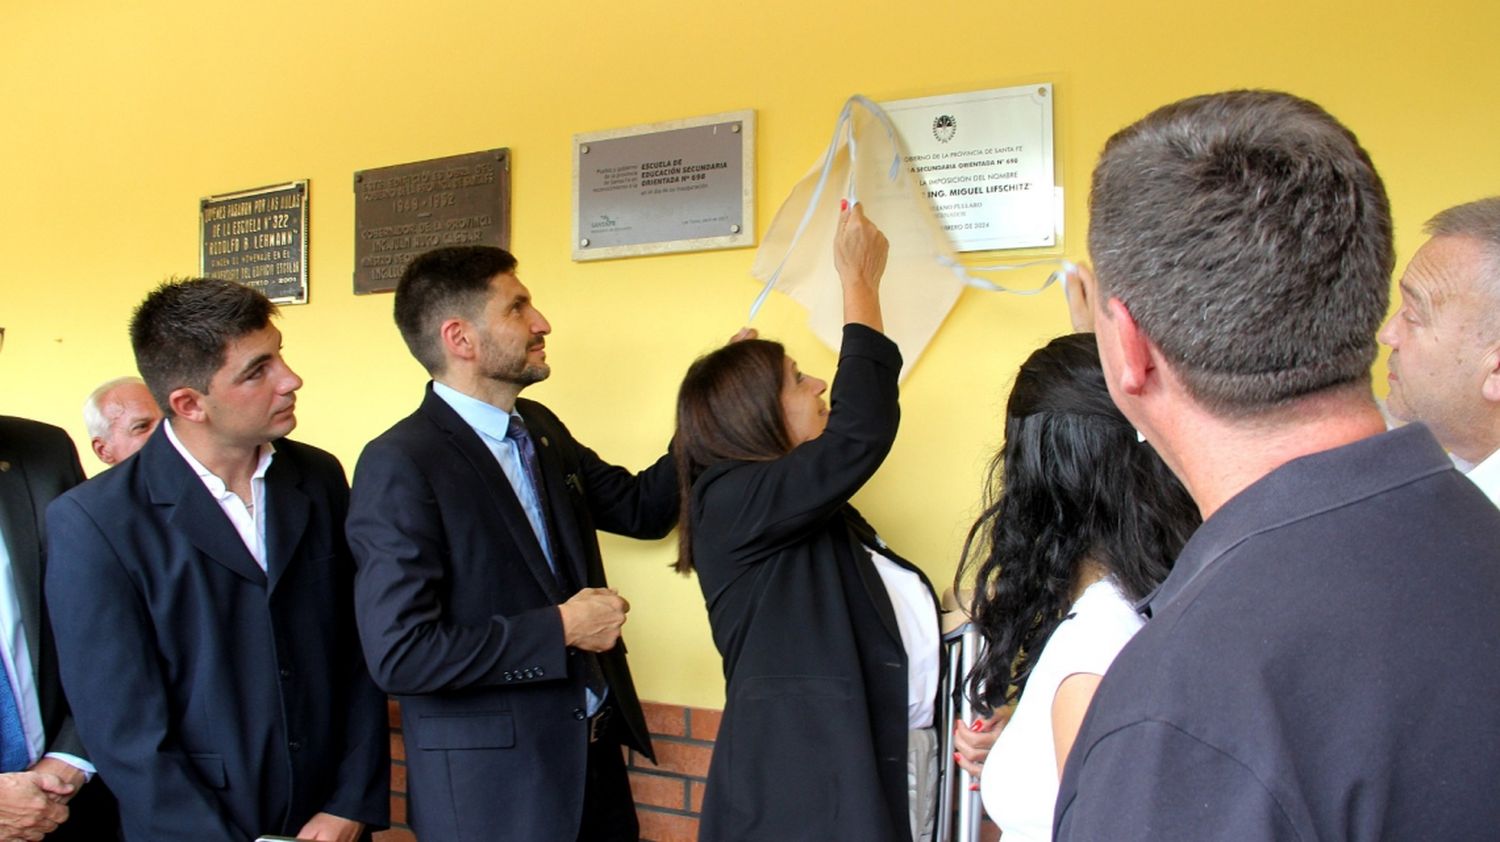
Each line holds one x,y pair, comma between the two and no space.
668,796
399,832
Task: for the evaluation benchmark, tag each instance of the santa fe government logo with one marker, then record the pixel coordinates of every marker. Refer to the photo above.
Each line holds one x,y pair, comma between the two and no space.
944,127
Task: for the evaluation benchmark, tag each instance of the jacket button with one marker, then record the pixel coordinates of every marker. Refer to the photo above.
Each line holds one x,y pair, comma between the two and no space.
294,745
539,672
579,714
286,673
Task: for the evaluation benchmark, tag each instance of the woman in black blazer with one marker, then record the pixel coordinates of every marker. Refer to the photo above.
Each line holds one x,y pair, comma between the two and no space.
829,639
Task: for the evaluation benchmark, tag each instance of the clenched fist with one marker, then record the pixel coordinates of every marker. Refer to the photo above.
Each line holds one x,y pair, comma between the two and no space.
592,619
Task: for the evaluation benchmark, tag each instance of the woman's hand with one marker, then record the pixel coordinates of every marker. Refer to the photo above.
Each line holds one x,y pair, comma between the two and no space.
859,253
974,741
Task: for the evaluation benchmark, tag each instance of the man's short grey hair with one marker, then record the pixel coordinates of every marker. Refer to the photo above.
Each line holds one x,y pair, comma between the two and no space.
93,416
1249,236
1480,220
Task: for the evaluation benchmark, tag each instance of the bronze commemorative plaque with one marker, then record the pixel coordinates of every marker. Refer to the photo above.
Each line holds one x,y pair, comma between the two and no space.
403,210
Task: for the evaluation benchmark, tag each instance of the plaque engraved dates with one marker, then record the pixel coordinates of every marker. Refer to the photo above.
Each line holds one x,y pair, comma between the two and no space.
403,210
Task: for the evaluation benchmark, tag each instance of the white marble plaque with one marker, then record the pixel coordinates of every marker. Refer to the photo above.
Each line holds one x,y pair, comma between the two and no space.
985,159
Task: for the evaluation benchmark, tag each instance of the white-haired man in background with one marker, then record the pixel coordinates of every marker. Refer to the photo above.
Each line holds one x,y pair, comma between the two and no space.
120,415
1445,339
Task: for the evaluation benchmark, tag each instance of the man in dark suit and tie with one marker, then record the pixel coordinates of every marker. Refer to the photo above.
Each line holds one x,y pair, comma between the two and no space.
42,761
481,594
201,594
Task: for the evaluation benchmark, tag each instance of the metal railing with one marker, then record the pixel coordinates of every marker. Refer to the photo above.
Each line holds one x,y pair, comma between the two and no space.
959,811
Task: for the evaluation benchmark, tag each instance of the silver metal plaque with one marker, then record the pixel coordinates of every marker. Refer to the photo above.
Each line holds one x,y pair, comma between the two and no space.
684,185
985,159
257,238
403,210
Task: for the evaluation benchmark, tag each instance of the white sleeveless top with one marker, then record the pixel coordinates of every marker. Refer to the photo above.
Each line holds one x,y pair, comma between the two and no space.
1019,782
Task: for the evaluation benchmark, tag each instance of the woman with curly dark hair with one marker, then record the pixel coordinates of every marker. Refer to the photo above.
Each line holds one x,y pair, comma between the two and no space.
1082,520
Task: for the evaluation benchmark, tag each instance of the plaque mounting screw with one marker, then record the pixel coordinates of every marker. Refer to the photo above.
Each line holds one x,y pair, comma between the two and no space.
734,229
735,128
584,242
583,150
1041,91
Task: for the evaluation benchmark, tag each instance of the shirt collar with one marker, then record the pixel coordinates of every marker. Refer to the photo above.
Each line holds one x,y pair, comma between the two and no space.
1486,475
1299,489
487,419
211,480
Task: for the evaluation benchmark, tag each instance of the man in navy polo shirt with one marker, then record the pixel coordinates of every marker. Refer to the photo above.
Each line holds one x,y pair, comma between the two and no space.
1322,662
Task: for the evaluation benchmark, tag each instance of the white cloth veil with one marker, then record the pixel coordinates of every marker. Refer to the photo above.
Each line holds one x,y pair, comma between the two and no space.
923,278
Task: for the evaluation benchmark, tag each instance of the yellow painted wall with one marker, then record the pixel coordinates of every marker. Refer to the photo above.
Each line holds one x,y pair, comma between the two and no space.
116,117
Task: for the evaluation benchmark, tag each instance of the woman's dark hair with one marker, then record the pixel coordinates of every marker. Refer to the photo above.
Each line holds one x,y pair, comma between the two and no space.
1072,485
728,409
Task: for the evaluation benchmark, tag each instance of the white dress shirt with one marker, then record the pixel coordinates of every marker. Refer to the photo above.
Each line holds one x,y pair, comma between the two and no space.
1486,475
916,619
249,521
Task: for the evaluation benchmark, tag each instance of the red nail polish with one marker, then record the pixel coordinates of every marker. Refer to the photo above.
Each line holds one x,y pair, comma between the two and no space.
978,725
843,204
957,757
973,787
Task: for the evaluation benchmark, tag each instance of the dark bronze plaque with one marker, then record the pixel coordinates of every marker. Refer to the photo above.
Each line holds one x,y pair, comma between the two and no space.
403,210
258,238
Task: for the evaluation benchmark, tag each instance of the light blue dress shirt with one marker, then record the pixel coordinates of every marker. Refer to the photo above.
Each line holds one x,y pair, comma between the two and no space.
16,653
491,422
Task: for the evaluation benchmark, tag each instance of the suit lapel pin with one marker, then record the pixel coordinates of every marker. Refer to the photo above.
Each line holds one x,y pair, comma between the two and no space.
544,441
4,466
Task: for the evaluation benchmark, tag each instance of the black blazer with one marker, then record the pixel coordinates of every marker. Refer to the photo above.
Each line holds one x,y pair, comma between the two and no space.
38,463
813,740
457,612
219,701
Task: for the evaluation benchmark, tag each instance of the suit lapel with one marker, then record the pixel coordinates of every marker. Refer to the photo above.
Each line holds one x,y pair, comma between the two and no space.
171,482
289,509
18,518
494,484
869,576
567,548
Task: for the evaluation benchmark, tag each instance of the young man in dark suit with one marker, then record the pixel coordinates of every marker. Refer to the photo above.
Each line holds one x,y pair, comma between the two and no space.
42,762
201,594
481,595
